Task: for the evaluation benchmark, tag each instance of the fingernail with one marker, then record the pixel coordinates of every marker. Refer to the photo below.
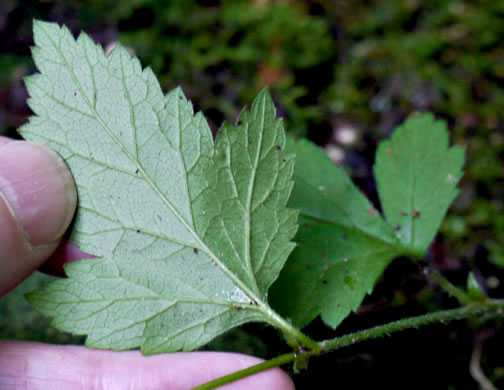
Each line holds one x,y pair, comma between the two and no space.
39,190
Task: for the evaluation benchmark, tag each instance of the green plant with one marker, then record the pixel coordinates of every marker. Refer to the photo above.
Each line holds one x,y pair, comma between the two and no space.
217,231
446,57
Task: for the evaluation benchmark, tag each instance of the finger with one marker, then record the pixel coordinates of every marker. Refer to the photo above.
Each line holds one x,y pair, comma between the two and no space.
5,140
37,202
40,366
65,253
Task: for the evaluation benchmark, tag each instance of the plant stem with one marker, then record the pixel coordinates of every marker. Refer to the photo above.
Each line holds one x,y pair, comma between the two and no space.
450,288
407,323
276,362
290,329
301,337
353,338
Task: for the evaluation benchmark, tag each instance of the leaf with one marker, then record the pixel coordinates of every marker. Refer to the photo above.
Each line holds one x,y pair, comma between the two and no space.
474,289
188,235
343,243
417,175
20,321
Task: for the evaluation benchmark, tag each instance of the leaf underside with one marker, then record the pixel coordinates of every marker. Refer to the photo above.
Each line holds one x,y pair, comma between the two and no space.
188,234
344,244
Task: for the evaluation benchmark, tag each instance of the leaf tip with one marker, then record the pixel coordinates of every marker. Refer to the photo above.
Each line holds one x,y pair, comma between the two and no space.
41,25
37,23
264,95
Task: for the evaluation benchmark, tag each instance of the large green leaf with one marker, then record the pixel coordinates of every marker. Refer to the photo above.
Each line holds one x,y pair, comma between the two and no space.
417,175
188,235
343,243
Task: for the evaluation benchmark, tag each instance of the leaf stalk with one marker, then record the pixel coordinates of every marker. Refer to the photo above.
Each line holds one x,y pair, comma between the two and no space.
290,329
450,288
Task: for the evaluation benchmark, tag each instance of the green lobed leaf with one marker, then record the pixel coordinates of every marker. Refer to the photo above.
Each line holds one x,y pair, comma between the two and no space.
417,175
343,243
188,235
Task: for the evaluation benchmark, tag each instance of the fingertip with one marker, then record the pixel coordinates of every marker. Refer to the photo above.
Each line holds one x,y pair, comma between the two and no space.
37,202
39,189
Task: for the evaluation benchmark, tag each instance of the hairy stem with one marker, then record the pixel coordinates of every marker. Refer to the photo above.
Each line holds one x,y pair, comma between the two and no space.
357,337
294,332
286,327
408,323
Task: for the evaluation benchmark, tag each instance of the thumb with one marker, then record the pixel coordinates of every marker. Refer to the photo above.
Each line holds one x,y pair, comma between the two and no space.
37,202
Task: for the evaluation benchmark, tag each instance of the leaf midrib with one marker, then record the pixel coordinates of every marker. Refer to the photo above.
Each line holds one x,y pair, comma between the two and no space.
249,201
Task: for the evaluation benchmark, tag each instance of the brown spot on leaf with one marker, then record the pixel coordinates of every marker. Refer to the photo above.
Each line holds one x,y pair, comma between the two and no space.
372,211
389,151
416,214
397,227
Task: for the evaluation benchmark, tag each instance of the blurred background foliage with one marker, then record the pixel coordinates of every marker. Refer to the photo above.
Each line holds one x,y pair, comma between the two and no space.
344,74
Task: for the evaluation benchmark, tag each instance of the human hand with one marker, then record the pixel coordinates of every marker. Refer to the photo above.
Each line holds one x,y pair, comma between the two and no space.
37,202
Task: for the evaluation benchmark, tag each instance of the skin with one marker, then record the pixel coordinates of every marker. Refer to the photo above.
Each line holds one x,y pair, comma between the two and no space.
37,203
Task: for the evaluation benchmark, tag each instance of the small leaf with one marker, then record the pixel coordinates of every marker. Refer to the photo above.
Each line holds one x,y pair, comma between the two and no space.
188,235
417,175
342,247
474,289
